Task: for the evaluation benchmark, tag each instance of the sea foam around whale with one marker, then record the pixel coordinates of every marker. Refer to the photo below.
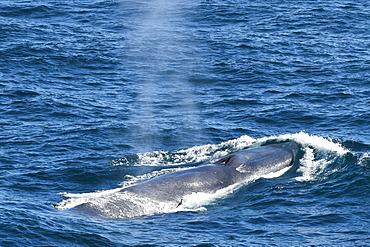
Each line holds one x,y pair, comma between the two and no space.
318,153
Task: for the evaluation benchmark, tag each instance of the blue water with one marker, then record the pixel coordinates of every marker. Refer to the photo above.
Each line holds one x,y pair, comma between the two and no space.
97,95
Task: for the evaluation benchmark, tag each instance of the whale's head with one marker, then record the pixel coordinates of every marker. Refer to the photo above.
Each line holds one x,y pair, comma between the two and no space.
291,146
264,159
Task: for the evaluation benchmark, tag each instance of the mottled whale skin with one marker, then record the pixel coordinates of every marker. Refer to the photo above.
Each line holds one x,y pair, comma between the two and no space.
166,192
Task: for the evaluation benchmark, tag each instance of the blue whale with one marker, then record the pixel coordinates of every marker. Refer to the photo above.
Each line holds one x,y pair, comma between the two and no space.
166,193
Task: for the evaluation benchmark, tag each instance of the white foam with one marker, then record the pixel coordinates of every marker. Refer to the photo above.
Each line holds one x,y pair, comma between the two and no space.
277,174
75,199
197,201
109,205
309,167
319,152
305,139
198,154
194,154
364,159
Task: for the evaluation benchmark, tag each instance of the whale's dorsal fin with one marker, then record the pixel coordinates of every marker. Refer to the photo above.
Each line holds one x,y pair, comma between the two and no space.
178,205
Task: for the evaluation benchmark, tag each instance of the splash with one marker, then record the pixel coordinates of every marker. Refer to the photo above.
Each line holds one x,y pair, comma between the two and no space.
318,154
194,154
311,167
75,199
209,152
364,160
197,201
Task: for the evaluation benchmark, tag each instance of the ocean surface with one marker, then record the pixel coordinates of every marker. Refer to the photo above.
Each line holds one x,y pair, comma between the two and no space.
101,94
